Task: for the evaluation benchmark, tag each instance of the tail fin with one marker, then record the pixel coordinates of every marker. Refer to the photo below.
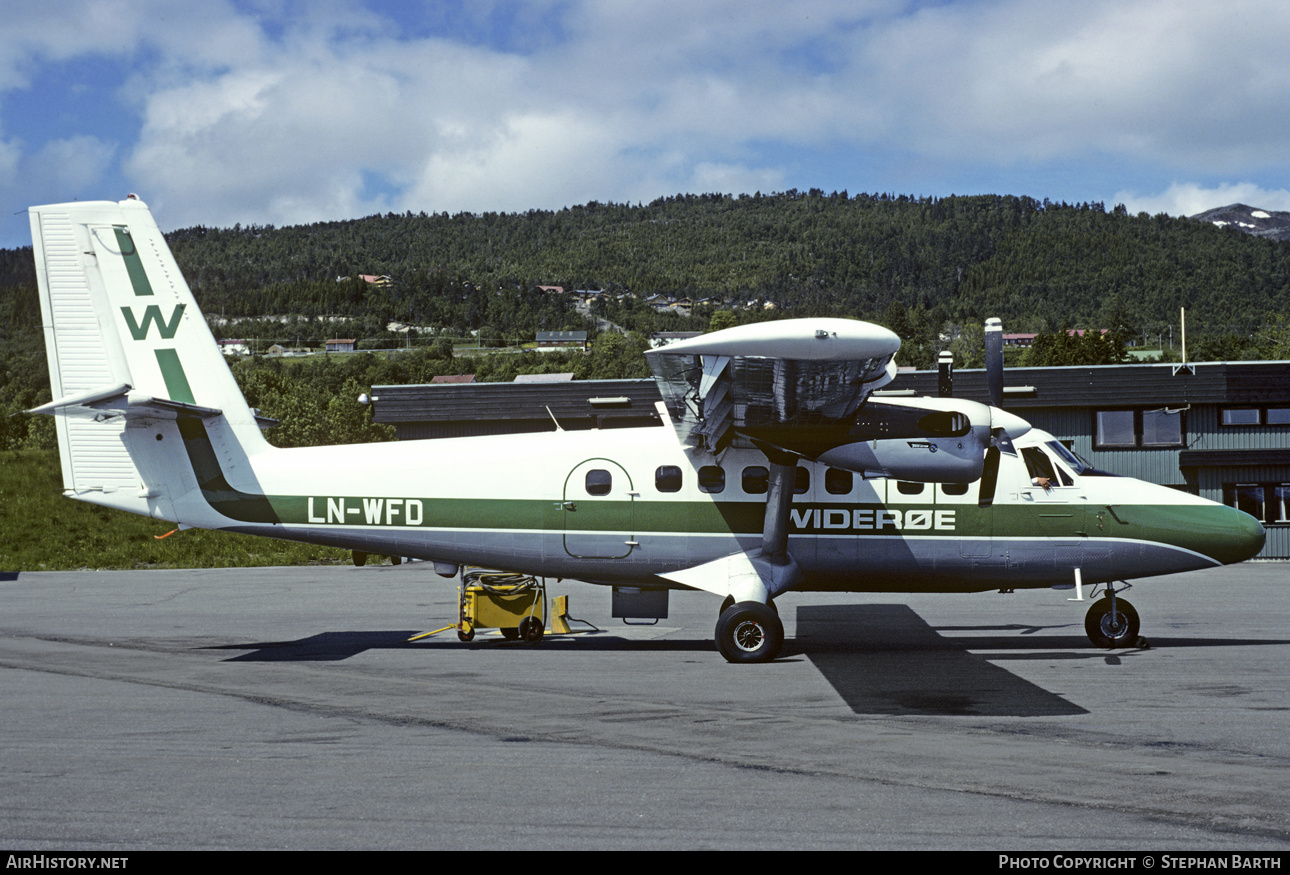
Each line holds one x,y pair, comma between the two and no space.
126,343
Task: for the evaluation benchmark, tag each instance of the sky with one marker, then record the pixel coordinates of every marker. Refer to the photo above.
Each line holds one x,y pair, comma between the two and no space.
293,111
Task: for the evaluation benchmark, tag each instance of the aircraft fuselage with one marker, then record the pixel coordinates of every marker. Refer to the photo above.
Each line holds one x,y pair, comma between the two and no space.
625,505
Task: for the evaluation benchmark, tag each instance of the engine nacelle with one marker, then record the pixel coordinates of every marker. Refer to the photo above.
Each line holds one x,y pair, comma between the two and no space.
925,459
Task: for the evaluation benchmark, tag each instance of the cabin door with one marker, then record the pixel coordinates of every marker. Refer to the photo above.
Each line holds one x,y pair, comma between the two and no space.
599,511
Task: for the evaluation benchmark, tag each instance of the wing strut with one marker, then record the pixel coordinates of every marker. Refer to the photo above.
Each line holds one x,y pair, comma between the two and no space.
784,572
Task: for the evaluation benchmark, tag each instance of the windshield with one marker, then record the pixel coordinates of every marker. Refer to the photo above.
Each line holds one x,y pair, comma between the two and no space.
1077,464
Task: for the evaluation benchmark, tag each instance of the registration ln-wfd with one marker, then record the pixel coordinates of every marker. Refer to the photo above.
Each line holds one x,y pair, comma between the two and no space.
780,469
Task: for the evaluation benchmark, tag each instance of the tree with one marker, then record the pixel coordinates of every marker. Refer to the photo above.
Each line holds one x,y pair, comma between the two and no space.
722,319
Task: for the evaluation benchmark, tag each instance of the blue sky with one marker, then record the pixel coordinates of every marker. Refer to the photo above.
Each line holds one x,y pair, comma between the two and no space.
282,112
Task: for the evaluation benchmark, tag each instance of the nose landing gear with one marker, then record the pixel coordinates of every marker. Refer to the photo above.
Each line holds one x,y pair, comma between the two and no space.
1112,622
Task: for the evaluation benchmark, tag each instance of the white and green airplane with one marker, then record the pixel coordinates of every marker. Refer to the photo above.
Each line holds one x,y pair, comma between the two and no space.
780,469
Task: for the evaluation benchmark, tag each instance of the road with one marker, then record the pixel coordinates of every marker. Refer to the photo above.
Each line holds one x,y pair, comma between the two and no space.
285,708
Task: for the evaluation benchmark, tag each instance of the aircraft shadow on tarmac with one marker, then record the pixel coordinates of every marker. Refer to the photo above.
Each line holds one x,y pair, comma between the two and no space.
881,659
885,659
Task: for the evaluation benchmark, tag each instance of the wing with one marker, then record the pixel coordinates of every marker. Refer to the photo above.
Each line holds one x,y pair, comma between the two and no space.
803,387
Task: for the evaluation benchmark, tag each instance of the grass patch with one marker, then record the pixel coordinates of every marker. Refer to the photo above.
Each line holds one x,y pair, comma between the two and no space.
42,530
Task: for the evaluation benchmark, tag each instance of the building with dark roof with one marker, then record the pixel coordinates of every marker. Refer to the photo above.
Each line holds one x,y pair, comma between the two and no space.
467,410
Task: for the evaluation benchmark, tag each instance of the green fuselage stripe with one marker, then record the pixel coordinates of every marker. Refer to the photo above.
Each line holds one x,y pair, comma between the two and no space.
1205,529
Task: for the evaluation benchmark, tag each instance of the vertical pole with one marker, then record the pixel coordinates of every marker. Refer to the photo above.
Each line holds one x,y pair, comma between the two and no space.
994,360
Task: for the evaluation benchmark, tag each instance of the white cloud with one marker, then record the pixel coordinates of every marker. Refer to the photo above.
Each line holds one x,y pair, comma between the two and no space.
1189,198
272,112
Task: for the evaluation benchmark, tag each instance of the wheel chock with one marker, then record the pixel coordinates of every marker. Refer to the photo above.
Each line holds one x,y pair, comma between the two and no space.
560,615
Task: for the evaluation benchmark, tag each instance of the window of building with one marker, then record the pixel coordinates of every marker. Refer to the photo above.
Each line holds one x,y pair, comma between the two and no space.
667,478
1268,503
1139,428
1240,416
1245,416
712,478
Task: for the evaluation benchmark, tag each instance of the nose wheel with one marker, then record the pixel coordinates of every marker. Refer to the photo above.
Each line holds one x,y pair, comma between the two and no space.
1112,622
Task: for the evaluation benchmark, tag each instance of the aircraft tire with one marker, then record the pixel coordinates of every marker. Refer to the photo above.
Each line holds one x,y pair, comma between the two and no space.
749,632
531,630
510,633
730,600
1107,634
360,558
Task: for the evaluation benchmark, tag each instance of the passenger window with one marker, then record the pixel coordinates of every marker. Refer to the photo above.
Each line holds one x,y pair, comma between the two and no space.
755,480
712,478
667,478
954,488
837,481
599,481
801,480
905,487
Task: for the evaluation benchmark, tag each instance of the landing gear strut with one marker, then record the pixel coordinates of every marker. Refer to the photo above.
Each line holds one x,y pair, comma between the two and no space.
1112,622
749,632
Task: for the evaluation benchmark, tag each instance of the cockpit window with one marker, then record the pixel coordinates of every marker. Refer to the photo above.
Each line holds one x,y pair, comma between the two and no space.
1042,468
1069,456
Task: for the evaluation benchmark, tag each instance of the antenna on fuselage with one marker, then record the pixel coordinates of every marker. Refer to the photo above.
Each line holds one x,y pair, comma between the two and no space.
553,419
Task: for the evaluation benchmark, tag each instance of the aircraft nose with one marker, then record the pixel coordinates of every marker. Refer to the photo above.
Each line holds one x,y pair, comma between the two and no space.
1242,537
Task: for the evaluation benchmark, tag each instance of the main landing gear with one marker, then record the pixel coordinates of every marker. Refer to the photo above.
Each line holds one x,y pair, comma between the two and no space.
749,632
1112,622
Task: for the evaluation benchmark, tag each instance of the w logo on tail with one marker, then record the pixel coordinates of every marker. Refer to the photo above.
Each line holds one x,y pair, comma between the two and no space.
152,315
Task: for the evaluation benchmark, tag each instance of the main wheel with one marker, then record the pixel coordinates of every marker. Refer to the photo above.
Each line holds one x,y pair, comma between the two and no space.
1110,632
749,632
730,600
531,630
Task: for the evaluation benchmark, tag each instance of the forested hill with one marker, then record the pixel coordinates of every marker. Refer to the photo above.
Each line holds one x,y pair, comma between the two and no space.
929,268
1038,265
1035,264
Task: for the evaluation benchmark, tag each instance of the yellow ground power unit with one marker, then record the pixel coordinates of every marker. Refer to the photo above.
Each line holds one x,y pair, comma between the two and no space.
513,603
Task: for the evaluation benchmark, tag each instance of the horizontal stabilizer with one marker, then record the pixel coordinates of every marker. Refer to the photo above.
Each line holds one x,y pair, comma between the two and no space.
83,399
120,401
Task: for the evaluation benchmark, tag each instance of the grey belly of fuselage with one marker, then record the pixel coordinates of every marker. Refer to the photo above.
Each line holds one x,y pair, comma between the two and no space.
831,563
